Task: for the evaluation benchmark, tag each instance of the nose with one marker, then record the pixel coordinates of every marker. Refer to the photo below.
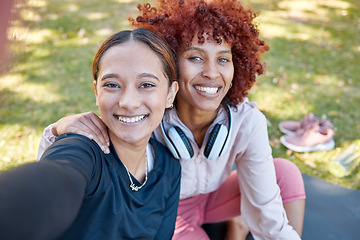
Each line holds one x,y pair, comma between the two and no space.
129,98
210,70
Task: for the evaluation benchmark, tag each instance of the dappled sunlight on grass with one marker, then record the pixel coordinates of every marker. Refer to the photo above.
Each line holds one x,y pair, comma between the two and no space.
104,32
272,30
28,15
37,3
302,8
300,17
73,7
14,137
29,90
96,16
40,36
305,10
272,100
312,67
328,80
17,33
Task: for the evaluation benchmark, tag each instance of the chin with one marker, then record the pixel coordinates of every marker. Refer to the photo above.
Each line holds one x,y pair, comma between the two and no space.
134,137
208,107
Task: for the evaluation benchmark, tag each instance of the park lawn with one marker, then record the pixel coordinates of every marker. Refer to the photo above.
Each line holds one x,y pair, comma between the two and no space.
312,66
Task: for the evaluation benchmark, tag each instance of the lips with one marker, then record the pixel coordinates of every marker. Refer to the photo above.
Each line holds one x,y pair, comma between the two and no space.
209,90
134,119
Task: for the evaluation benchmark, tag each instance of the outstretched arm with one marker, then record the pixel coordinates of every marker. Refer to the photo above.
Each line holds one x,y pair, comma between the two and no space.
39,200
86,124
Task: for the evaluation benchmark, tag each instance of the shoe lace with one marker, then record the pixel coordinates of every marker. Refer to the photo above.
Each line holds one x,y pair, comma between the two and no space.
315,125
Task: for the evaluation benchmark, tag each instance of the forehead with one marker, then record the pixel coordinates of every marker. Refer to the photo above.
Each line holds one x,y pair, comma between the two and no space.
131,55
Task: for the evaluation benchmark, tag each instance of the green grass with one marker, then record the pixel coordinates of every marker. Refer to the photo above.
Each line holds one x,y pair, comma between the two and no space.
312,66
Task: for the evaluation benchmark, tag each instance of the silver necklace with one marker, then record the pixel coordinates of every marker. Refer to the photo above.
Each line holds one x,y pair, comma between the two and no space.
132,184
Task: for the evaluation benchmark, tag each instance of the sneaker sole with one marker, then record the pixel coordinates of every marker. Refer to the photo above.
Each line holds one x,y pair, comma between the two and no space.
319,147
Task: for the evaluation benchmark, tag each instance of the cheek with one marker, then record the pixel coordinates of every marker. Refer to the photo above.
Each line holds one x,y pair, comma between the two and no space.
160,100
157,103
230,74
104,102
186,71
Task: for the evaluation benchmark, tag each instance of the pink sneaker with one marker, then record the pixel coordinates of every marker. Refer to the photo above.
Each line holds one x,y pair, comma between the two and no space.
313,137
290,127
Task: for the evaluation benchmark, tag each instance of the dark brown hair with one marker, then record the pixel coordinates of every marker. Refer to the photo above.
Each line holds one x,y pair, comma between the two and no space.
177,21
164,52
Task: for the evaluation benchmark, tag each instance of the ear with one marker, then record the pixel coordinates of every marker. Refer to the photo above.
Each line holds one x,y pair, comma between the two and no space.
172,93
96,94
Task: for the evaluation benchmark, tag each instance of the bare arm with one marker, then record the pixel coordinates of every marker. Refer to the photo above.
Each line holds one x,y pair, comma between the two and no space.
87,124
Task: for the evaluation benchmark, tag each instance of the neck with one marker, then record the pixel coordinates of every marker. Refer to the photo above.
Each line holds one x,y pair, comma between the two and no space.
197,120
133,156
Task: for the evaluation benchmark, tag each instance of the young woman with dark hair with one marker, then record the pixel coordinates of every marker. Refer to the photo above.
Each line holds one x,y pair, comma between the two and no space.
77,191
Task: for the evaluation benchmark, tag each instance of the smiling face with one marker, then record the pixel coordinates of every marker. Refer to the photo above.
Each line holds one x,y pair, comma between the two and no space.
205,74
132,91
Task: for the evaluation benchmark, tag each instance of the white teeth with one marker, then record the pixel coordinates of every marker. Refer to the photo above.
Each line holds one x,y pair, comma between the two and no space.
210,90
131,120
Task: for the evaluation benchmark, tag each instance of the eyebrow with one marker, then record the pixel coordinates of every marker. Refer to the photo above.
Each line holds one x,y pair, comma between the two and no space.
114,75
109,75
202,50
149,75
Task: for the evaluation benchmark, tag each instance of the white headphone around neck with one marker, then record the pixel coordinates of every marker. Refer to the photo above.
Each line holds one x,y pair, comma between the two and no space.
180,146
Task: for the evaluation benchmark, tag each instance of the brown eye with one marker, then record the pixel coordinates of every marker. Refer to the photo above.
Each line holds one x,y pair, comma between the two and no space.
223,60
147,85
195,59
111,85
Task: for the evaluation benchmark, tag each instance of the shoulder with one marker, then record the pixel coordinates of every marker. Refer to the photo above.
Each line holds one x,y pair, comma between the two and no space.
247,112
75,151
248,123
71,147
68,137
73,141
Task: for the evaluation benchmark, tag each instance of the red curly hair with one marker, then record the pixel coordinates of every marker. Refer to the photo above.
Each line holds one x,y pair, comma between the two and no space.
177,21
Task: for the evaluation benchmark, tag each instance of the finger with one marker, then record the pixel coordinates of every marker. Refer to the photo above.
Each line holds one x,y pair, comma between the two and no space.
88,131
102,127
94,130
87,124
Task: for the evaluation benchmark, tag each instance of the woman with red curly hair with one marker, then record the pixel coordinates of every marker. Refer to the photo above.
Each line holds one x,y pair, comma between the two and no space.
214,126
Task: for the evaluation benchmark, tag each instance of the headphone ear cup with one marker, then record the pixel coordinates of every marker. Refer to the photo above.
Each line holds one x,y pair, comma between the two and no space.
216,142
180,143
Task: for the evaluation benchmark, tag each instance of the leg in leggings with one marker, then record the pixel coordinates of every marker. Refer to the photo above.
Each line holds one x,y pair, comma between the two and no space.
191,211
205,208
292,193
190,218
